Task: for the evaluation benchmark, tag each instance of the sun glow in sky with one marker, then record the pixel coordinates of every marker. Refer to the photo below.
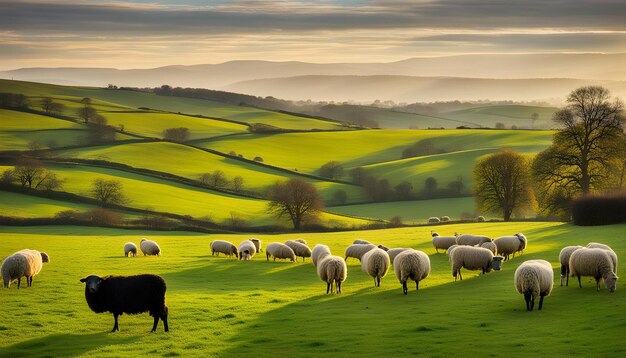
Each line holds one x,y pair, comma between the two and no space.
145,34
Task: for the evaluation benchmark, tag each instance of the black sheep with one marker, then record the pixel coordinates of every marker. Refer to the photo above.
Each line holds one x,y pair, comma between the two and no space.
127,294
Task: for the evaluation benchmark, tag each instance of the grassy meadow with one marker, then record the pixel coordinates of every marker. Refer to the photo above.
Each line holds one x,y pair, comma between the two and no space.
226,308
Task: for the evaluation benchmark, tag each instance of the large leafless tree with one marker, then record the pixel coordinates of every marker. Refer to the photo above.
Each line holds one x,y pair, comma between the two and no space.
294,199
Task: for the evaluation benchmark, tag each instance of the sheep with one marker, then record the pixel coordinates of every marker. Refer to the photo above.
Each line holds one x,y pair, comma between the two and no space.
534,278
130,249
279,251
491,246
224,247
376,264
450,250
127,294
508,245
607,248
593,262
299,249
411,264
443,242
564,256
246,250
433,233
471,240
149,247
433,220
332,270
361,242
394,252
318,253
24,263
302,241
257,244
444,218
383,247
480,219
474,258
358,250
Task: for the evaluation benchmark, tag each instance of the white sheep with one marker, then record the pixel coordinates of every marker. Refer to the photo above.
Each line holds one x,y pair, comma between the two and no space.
279,251
358,250
299,249
361,242
534,278
223,247
509,245
480,219
130,249
473,258
607,248
564,256
491,246
433,220
302,241
318,253
411,264
24,263
394,252
471,240
257,244
332,270
376,264
149,247
596,263
246,250
451,250
444,218
443,242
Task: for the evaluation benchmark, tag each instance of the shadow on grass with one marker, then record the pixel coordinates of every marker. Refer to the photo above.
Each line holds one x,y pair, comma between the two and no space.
63,345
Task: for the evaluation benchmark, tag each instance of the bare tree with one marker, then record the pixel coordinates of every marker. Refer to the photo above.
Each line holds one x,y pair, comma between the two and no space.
237,184
108,191
503,184
294,199
51,107
180,134
87,113
28,171
331,170
216,180
430,186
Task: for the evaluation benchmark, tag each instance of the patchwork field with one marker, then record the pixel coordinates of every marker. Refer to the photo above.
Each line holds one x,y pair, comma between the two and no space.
508,115
223,307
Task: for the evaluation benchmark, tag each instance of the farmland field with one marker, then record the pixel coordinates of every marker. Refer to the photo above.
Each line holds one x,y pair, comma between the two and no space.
223,307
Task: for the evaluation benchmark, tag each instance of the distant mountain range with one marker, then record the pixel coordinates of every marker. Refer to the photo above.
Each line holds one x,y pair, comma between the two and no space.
416,79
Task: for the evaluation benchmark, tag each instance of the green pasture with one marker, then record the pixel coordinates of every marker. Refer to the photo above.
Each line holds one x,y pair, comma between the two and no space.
23,121
509,115
27,206
144,192
222,307
191,163
411,212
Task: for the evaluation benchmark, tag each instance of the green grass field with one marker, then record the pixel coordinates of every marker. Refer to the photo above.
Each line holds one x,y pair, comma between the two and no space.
27,206
509,115
227,308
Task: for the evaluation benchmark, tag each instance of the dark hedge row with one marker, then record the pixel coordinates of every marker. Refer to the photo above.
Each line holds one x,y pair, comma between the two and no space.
599,210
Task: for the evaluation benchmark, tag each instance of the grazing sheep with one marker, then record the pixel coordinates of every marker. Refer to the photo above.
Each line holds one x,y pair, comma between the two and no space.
302,241
257,244
433,233
444,219
130,249
480,219
451,250
279,251
246,250
299,249
443,242
471,240
376,264
596,245
394,252
358,250
127,294
318,253
383,247
508,245
534,278
564,256
596,263
473,258
224,247
491,246
149,247
332,270
24,263
361,242
433,220
411,264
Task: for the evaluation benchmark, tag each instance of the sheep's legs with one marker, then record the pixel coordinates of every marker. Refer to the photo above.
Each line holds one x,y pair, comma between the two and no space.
404,288
30,281
328,288
115,327
597,284
338,287
579,284
19,280
530,301
164,319
156,322
566,278
540,302
377,281
417,285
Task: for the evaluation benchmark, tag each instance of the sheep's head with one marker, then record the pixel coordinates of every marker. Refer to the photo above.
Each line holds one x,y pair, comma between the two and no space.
433,234
383,247
246,255
611,282
44,257
497,262
92,283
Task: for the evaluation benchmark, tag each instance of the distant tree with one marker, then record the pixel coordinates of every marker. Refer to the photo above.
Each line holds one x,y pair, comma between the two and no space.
395,221
430,187
534,117
28,172
340,196
34,146
108,191
514,127
503,184
237,184
98,131
86,101
180,134
258,159
13,100
232,153
357,175
331,170
457,186
500,125
50,182
294,199
87,113
7,177
403,190
46,104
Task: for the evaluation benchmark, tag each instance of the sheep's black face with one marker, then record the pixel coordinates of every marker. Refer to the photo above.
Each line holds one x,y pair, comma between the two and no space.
497,262
92,283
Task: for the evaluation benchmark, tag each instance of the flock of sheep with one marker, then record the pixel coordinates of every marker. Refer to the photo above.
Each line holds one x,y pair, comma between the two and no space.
533,278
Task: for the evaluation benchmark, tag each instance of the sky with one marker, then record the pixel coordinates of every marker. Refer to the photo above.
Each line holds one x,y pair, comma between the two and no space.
147,34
